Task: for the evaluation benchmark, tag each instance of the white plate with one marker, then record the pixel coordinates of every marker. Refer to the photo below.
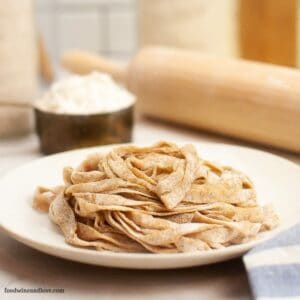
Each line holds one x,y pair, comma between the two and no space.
277,180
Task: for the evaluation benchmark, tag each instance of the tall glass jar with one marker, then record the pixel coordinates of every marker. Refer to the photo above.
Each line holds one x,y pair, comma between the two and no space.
18,64
261,30
206,25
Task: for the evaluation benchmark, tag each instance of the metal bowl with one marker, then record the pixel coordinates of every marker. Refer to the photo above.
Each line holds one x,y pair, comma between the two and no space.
62,132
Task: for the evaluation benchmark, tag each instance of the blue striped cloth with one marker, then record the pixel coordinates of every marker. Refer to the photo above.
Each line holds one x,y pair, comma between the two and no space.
273,267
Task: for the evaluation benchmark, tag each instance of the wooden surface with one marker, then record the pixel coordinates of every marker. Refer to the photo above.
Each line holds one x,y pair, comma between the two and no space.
267,31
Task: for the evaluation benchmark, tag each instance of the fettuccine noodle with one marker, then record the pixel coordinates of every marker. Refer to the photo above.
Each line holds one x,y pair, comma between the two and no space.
160,199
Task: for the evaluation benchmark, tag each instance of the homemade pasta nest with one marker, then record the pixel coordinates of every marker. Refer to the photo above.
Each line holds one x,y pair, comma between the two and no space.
161,199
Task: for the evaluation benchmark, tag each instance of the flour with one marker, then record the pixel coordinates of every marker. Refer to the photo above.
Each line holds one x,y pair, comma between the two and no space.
89,94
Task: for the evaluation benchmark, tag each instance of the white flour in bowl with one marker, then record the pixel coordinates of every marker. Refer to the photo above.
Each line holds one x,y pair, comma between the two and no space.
89,94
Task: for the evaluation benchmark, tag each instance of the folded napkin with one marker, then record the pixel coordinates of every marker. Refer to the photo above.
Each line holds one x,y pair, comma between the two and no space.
273,267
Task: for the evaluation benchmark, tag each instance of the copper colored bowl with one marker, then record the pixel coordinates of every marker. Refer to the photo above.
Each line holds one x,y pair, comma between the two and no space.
62,132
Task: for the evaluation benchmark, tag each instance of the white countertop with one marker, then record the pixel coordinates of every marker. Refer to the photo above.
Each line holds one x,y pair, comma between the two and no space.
23,267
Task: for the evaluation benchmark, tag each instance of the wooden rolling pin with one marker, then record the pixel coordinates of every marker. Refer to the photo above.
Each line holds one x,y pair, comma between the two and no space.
252,101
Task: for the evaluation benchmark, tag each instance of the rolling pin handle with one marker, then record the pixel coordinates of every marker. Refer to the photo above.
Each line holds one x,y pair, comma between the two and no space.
82,62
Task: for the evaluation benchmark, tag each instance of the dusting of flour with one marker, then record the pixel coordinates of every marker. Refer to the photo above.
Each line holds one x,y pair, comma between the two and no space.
89,94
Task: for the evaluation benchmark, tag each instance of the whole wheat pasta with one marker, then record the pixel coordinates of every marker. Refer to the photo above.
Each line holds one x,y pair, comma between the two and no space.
159,199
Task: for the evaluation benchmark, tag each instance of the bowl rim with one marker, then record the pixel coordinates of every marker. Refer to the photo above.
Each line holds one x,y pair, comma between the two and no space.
96,113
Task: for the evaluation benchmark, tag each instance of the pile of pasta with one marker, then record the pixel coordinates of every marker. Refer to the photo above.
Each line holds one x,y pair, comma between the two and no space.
159,199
